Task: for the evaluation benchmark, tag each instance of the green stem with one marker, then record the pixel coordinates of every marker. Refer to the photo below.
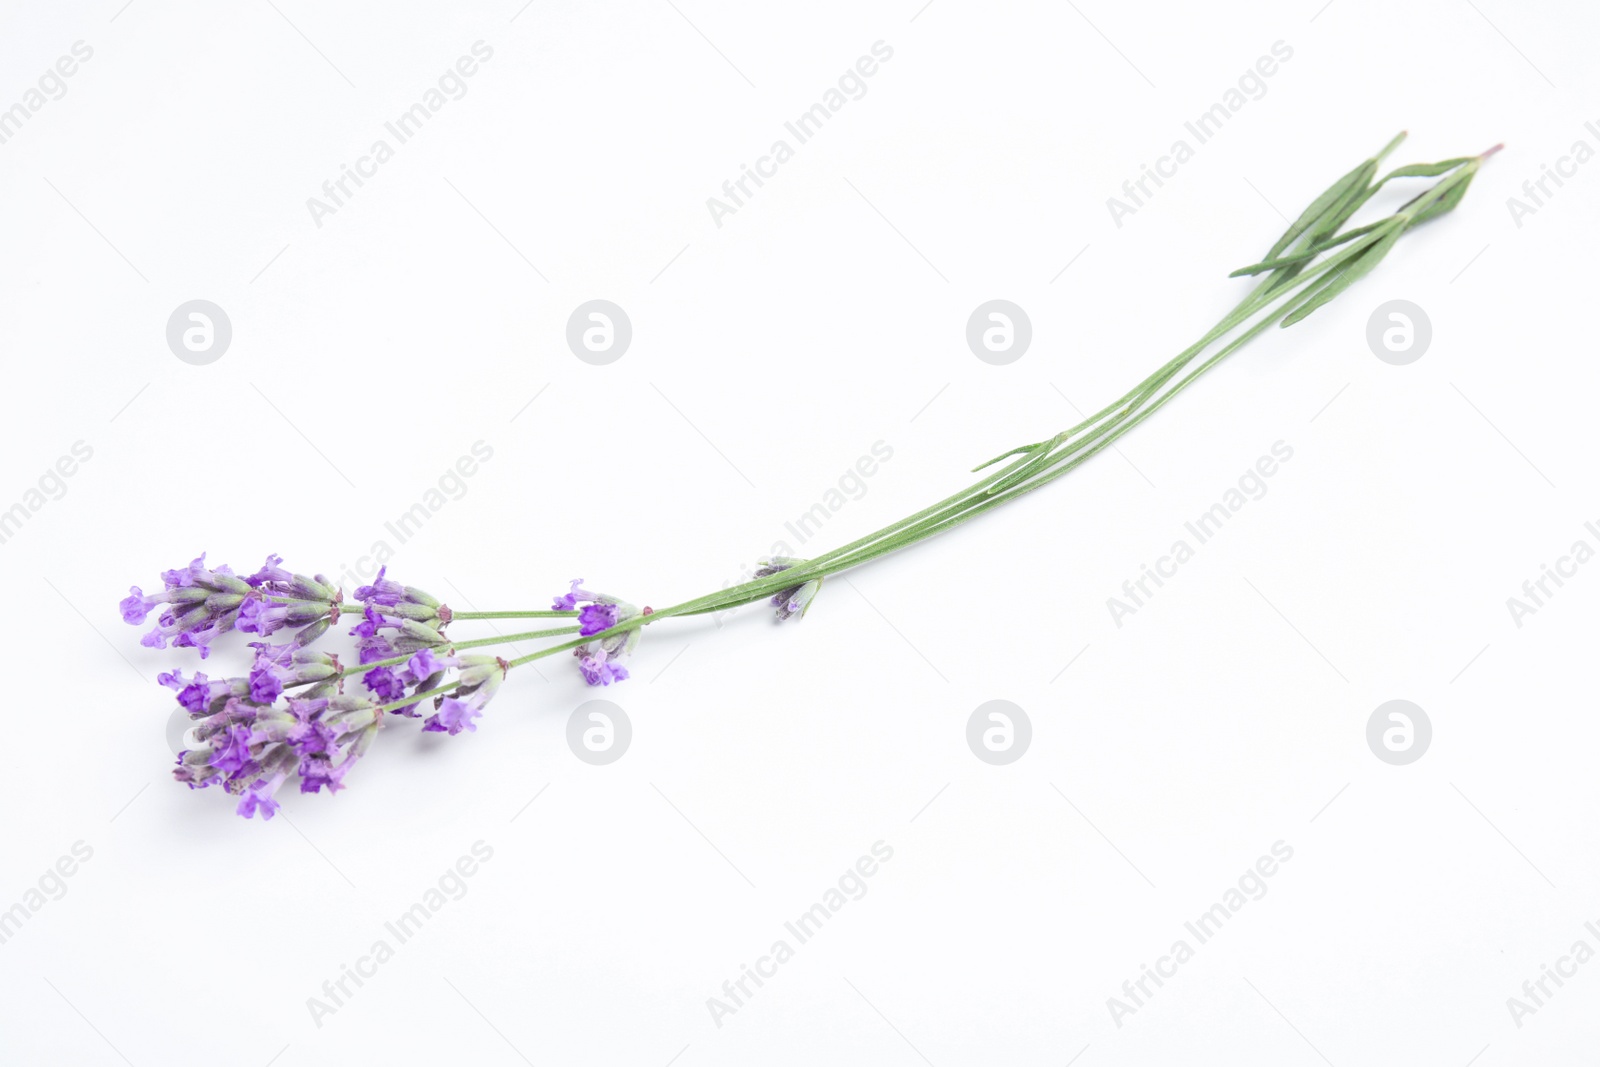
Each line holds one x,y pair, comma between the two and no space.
1029,471
953,517
1037,465
457,646
357,609
925,523
406,702
1289,278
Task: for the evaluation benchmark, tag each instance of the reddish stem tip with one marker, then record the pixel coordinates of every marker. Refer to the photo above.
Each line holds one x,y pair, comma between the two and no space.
1491,151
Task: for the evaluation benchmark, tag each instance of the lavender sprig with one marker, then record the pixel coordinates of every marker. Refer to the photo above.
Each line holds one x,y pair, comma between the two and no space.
291,715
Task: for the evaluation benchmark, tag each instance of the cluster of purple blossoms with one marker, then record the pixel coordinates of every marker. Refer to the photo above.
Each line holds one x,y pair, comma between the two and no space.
199,603
250,735
793,602
600,661
278,667
251,747
399,621
477,680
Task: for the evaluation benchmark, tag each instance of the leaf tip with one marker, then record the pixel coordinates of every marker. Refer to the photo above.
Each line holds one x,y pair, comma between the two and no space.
1394,143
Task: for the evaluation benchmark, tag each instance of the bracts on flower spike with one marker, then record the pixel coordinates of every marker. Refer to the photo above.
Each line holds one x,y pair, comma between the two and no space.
403,601
251,749
795,601
600,661
199,603
478,678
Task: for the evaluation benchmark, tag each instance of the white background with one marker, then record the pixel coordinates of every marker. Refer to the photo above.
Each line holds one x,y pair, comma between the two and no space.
769,354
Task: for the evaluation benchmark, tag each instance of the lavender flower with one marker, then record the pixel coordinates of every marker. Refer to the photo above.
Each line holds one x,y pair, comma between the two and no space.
289,717
596,617
599,661
199,603
273,578
402,601
478,680
410,635
599,665
258,796
422,672
270,675
570,599
198,694
312,738
425,665
452,717
317,774
233,755
374,648
258,615
385,683
251,748
794,601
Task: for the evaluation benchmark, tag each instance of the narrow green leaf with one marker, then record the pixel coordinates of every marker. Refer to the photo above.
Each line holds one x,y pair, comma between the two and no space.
1338,209
1040,454
1273,264
1302,258
1445,203
1394,143
1340,281
1340,213
1007,455
1333,195
1425,170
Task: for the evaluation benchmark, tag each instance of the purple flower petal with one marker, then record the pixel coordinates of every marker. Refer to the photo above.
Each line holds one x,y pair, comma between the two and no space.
257,799
596,617
382,681
424,665
452,717
310,738
265,686
382,591
317,773
271,571
136,606
235,753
